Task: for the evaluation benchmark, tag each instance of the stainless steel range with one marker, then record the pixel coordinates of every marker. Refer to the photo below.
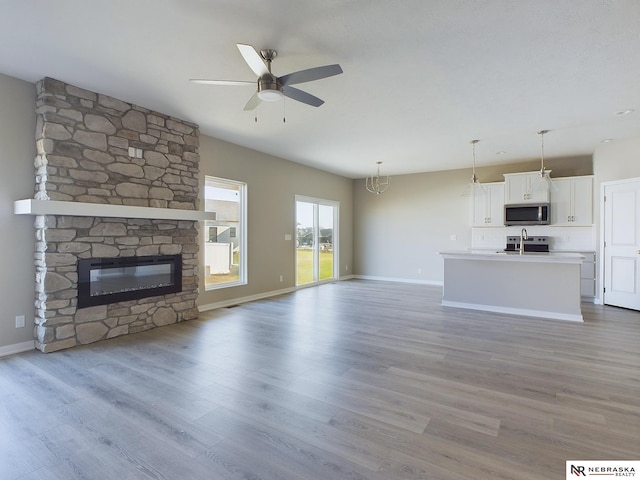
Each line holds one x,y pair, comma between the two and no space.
531,244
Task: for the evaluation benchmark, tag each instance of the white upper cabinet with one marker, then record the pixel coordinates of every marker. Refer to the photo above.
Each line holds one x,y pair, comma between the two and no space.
488,205
525,187
572,201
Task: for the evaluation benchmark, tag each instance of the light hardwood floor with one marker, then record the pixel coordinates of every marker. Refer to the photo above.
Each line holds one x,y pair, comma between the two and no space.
350,380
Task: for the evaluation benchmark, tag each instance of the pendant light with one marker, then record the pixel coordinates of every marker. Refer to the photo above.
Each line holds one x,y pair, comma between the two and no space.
474,187
376,184
544,179
544,174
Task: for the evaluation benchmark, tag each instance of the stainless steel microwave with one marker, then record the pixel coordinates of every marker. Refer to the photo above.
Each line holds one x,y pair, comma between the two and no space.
527,214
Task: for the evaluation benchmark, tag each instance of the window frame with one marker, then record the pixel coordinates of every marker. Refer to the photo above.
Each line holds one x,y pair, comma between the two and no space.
317,202
240,230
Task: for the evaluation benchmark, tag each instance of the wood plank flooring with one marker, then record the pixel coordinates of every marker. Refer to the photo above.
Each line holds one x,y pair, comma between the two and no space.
350,380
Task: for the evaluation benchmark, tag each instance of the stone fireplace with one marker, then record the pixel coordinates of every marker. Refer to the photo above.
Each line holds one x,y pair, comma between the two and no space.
95,150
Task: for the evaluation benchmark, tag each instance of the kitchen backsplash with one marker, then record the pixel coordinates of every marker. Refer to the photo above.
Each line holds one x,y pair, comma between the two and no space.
582,239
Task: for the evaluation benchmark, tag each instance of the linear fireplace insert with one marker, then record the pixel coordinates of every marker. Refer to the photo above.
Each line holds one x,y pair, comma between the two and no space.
109,280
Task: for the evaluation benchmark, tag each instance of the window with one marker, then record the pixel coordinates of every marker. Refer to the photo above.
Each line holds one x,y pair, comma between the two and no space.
225,256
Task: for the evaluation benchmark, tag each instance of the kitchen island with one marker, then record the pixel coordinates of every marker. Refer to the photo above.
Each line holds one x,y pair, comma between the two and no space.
543,285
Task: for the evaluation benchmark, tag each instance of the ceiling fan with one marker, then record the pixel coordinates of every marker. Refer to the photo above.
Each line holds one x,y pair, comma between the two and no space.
270,87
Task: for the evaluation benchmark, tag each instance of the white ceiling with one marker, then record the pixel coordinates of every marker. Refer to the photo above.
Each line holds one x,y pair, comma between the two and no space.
421,78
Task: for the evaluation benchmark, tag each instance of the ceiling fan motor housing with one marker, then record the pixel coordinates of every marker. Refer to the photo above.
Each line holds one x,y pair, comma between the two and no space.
269,88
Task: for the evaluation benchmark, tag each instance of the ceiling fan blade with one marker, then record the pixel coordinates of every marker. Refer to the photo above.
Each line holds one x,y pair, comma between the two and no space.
301,96
311,74
253,59
206,81
253,102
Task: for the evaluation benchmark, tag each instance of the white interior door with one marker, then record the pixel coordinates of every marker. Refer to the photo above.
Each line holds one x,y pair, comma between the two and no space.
622,244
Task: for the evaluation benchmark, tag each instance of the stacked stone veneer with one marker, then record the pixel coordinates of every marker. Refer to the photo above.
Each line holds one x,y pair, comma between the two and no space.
83,141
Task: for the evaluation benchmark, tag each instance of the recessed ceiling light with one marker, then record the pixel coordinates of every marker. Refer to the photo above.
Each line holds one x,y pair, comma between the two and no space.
606,140
501,152
624,112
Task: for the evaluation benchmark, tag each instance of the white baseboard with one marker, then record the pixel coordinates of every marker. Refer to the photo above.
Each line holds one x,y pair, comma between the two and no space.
400,280
273,293
17,348
250,298
260,296
574,317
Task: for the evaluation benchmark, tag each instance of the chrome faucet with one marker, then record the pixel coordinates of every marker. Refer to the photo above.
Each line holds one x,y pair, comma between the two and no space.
523,237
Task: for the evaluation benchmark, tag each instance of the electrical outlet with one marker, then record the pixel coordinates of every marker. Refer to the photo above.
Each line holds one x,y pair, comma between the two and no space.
281,278
19,321
419,271
346,268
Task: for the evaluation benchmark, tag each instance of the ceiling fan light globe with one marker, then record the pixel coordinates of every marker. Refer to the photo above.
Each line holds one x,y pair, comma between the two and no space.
269,89
270,95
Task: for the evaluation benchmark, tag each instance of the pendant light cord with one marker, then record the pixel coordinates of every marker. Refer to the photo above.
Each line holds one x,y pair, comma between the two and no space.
474,179
542,134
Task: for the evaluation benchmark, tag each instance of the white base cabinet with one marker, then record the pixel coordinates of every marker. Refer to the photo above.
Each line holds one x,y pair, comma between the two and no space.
588,275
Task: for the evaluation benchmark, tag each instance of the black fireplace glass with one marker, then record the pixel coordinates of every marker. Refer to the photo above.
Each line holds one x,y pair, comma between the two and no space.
102,281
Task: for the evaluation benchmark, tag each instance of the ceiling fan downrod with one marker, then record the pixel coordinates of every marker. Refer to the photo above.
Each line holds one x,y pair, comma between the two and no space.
269,86
269,55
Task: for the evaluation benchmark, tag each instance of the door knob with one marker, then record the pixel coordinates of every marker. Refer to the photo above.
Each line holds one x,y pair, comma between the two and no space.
638,252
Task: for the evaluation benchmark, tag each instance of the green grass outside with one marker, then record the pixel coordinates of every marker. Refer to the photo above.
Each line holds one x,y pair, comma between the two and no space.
305,265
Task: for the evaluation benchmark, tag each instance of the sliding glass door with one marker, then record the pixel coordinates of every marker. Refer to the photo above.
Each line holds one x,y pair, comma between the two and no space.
316,240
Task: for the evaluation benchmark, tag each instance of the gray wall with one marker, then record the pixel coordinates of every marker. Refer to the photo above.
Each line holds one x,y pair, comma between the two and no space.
401,231
560,167
272,184
17,152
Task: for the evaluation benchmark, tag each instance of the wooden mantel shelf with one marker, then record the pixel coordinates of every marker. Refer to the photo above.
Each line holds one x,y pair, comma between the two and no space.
31,206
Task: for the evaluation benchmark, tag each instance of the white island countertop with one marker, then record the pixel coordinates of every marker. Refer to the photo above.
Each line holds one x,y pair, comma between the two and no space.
502,256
